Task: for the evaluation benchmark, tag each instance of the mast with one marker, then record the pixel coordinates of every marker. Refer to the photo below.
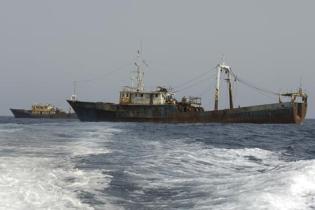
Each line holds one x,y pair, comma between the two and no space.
74,95
139,72
217,89
230,90
227,70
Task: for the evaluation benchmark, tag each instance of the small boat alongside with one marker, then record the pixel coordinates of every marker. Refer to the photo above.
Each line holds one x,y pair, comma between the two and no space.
43,111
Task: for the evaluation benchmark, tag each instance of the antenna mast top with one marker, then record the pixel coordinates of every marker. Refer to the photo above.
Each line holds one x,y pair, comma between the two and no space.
223,59
139,72
74,95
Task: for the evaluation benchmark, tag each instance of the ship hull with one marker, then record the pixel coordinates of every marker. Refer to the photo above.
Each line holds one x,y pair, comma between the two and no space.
23,113
289,112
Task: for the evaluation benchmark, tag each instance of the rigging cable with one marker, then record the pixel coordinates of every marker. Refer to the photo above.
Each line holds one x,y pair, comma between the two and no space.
193,79
118,69
196,82
258,89
207,90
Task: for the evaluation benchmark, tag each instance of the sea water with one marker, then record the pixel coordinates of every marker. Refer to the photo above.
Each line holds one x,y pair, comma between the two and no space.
60,164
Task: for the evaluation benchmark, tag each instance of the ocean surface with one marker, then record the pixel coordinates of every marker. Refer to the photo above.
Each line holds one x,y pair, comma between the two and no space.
59,164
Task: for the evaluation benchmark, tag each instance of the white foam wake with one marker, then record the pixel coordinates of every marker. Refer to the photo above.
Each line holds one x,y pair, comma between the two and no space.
259,179
233,179
40,183
42,174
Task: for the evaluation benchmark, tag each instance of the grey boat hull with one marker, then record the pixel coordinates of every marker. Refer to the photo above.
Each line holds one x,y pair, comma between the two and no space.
289,112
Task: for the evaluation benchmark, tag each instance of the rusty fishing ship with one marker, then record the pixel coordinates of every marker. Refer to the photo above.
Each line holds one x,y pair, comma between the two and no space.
137,105
46,111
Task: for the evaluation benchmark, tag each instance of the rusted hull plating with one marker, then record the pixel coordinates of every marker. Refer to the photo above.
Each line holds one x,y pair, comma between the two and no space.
289,112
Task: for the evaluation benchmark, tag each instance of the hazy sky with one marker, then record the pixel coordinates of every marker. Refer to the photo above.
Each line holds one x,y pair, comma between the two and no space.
46,45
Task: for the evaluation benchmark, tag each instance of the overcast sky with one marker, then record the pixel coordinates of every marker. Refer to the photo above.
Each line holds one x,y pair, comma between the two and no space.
46,45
